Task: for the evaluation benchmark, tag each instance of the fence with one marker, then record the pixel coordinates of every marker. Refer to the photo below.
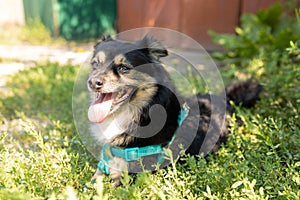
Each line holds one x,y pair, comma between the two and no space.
85,19
192,17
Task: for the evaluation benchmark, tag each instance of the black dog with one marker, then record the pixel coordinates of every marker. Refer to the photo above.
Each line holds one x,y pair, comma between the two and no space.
127,80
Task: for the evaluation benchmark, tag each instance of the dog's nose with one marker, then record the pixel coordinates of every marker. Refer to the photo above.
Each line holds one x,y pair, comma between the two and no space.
98,84
95,83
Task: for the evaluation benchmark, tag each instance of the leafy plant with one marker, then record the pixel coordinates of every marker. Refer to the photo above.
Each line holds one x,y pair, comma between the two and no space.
268,31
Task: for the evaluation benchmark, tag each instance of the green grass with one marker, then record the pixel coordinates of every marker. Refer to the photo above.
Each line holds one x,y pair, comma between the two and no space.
39,152
33,33
41,155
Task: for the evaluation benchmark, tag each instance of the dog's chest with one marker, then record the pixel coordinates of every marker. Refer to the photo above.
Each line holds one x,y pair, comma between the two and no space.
107,130
114,125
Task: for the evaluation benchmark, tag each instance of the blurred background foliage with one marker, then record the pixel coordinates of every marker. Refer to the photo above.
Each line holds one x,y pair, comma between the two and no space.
266,32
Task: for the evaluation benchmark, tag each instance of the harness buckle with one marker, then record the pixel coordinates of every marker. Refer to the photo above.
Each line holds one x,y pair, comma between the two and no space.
103,166
132,154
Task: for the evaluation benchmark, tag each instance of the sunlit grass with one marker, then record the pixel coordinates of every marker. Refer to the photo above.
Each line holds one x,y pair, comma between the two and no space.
33,33
42,157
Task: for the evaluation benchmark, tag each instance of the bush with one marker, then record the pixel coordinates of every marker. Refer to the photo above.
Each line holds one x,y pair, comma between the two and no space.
259,35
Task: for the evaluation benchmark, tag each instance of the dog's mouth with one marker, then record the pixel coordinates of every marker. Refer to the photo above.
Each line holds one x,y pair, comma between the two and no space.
107,103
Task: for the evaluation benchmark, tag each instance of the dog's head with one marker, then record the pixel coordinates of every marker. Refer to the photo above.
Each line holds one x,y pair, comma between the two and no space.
122,73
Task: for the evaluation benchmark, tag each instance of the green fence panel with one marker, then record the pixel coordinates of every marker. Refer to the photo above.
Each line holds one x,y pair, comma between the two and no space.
74,19
40,10
86,19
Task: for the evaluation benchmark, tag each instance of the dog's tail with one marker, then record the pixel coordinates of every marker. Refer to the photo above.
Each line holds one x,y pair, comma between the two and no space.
244,93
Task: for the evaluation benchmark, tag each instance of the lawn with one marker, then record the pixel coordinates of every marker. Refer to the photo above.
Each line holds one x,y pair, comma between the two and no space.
41,154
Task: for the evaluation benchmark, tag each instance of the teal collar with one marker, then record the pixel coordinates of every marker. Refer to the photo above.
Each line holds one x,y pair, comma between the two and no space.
135,153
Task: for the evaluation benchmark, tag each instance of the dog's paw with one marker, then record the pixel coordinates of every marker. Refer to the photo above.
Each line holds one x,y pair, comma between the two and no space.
98,174
116,167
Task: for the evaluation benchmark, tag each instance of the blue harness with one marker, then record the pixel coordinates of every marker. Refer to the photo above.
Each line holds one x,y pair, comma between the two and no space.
135,153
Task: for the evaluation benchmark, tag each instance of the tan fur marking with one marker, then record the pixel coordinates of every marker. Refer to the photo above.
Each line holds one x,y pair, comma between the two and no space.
120,59
101,56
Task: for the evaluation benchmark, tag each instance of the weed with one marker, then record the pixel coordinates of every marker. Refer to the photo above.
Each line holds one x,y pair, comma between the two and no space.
33,33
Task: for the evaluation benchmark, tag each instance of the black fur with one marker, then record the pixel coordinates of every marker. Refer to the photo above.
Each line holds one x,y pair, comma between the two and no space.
148,51
244,93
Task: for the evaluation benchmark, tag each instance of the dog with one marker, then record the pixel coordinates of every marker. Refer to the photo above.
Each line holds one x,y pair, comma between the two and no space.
126,80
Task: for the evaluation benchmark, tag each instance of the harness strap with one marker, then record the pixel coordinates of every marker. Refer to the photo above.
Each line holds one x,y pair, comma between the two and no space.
135,153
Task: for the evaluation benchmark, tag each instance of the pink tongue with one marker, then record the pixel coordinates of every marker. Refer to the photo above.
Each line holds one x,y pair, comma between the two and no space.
99,110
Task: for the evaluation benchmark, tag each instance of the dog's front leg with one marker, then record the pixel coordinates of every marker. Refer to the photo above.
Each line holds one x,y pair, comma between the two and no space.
116,167
97,174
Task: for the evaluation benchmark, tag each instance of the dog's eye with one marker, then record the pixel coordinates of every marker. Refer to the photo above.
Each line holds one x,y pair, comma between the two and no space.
94,64
123,69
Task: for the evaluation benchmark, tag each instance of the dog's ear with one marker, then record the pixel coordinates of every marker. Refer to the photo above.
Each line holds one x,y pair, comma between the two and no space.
154,47
103,38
